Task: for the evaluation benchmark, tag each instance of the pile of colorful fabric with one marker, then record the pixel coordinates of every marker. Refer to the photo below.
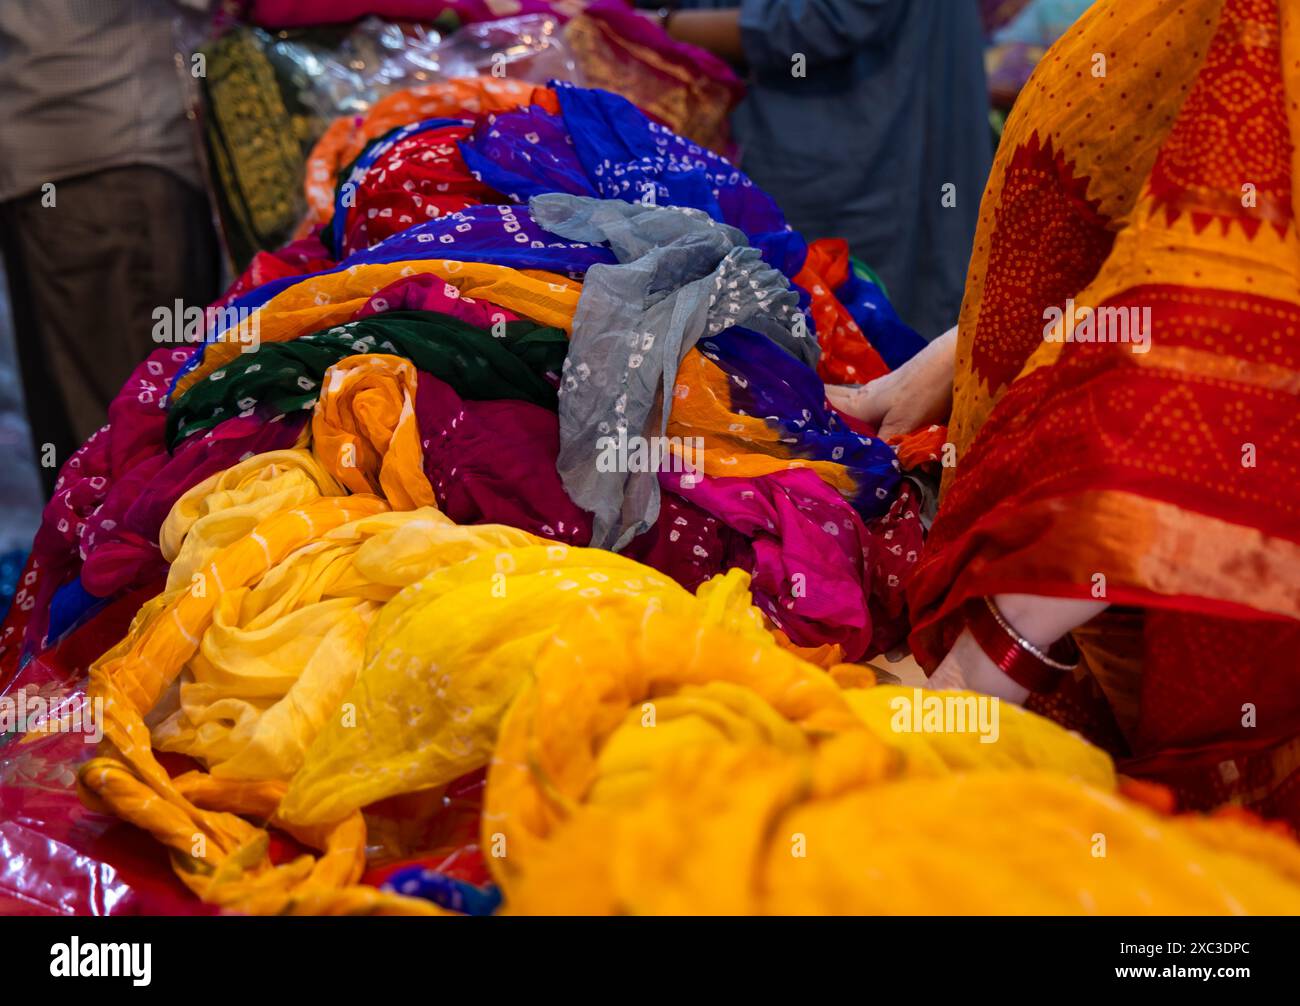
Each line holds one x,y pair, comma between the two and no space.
266,98
499,551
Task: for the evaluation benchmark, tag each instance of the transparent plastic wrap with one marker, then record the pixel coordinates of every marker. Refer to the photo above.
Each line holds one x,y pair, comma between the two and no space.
58,857
531,47
262,99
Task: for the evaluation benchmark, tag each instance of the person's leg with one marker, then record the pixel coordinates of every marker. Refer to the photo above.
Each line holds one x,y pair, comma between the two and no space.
116,246
47,416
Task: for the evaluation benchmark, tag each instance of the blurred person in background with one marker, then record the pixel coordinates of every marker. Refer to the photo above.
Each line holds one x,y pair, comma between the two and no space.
103,218
866,120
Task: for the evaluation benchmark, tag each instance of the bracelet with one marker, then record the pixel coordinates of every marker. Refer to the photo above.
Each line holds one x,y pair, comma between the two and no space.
1013,654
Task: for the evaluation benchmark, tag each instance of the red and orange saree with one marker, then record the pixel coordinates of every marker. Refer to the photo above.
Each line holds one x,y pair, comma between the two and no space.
1149,165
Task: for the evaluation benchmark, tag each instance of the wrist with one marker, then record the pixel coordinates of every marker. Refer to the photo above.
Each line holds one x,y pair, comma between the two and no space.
982,674
1034,667
1044,620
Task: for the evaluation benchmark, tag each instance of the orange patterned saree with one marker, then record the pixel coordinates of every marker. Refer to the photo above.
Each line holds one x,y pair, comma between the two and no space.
1126,410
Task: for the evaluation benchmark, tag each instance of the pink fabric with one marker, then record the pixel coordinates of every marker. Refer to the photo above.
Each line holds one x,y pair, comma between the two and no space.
134,433
623,19
689,544
120,547
814,558
304,13
494,463
431,293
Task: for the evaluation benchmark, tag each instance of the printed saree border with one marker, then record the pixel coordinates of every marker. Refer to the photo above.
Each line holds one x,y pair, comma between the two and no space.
1055,546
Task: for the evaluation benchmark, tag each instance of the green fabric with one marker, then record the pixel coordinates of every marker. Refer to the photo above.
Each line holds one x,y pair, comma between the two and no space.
286,375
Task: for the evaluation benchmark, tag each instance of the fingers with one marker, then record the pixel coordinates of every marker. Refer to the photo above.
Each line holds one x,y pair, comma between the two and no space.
948,675
867,402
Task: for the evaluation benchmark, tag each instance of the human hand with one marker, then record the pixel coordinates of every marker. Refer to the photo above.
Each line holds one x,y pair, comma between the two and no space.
914,396
1040,620
968,668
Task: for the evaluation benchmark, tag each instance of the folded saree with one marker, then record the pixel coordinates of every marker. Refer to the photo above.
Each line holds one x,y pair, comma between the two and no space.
412,174
698,776
225,507
364,431
494,462
597,144
812,553
121,540
332,298
286,376
754,414
258,681
429,293
347,136
1141,451
217,853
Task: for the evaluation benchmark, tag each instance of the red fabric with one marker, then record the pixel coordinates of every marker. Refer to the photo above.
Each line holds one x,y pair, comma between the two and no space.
56,856
298,258
1049,243
421,178
847,356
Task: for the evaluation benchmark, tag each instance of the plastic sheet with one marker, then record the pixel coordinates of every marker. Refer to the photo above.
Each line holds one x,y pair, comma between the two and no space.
263,98
56,856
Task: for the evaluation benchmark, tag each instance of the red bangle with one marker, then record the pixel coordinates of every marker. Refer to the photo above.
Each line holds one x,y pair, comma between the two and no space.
1015,656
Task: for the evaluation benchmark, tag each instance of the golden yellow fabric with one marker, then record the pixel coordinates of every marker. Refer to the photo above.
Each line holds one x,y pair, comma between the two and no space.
228,505
448,654
733,829
213,848
1019,843
280,655
698,773
613,697
364,430
333,298
1020,739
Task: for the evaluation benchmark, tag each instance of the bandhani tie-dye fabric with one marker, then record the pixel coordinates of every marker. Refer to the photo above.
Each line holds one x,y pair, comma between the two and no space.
287,376
413,174
347,136
597,144
680,277
755,754
1150,459
374,587
331,298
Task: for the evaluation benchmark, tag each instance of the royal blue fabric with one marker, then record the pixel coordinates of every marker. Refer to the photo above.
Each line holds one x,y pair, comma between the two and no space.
889,335
767,383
